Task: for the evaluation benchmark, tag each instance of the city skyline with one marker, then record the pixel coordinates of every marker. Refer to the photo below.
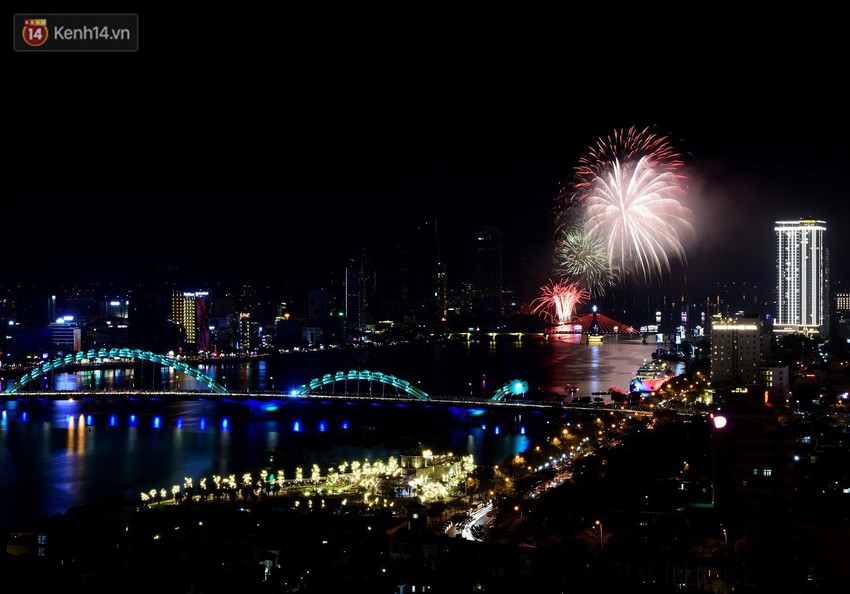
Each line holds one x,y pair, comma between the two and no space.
146,164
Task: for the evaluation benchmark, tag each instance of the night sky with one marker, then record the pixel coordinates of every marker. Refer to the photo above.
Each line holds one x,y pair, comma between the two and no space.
233,156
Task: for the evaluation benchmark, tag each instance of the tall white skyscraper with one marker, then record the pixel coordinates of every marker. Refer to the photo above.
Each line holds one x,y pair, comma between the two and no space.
801,285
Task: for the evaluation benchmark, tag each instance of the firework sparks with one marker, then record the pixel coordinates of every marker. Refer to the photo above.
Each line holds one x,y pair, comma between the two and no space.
625,196
557,301
635,209
625,146
583,259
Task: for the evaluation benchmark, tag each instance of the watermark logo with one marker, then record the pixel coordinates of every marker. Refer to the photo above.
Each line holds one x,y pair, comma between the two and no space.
76,32
35,32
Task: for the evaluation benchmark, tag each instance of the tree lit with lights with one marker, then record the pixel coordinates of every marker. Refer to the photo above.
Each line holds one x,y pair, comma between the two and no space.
441,477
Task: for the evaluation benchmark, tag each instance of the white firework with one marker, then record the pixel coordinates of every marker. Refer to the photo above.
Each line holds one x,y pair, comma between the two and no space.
635,210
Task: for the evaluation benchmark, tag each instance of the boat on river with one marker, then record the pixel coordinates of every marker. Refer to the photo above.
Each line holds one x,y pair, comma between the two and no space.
650,377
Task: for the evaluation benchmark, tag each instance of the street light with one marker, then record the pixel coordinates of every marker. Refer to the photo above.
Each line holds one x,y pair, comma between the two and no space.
519,509
601,541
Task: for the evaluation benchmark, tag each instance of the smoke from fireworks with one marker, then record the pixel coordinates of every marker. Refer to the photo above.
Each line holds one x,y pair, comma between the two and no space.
626,196
557,301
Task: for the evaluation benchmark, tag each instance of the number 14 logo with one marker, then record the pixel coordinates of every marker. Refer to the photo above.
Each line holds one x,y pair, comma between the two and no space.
35,32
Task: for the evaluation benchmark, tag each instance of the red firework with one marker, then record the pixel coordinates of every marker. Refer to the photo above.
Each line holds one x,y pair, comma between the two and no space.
621,147
557,301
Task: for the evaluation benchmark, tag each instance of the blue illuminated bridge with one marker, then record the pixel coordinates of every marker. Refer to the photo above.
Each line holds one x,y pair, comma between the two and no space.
344,385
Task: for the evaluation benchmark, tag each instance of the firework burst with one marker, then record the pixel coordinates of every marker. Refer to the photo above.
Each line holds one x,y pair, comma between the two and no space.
625,146
583,258
635,209
557,301
625,195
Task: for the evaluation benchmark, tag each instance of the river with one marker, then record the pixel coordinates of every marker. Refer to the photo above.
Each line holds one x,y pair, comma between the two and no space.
58,453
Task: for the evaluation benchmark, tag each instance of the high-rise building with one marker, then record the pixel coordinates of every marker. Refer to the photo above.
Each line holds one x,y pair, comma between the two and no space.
190,311
776,380
801,266
840,323
246,332
51,308
441,292
485,278
246,300
842,304
360,289
116,308
735,350
317,308
65,335
441,286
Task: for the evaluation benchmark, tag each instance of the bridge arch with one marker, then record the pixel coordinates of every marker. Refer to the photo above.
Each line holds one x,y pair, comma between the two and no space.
121,353
361,375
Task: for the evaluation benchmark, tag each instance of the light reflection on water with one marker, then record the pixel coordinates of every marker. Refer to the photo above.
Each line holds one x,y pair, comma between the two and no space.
463,368
58,460
56,454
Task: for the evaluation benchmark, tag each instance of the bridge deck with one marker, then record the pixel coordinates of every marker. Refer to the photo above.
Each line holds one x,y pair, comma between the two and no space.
348,397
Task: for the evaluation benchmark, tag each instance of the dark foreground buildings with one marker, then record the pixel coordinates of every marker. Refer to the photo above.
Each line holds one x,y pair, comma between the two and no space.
639,516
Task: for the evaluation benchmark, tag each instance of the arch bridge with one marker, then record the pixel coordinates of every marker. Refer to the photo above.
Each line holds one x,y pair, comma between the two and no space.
384,379
114,353
317,384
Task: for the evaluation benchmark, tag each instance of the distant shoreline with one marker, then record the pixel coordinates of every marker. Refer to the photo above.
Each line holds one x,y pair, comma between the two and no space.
16,372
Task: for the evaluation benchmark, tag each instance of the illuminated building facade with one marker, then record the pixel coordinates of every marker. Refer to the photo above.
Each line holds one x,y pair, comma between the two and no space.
65,335
801,266
842,305
246,333
841,314
115,309
776,380
842,302
190,311
735,350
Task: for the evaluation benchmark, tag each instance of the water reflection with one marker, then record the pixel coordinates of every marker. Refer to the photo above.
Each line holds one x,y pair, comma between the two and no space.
464,368
55,454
